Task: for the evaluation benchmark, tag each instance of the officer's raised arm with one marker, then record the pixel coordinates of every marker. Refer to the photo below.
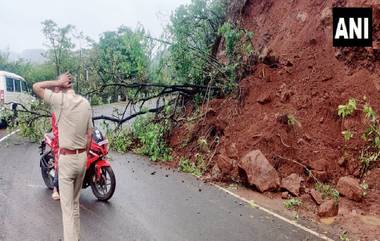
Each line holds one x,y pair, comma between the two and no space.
64,81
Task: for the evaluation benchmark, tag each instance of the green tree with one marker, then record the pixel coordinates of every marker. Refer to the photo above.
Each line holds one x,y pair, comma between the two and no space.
59,42
122,56
194,35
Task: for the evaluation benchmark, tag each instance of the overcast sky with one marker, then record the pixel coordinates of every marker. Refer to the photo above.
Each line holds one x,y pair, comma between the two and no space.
20,20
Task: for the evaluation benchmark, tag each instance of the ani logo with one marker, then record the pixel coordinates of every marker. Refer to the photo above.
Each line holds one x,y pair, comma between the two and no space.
352,27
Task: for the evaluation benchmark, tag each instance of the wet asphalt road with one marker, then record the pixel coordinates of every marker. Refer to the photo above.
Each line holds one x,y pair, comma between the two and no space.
150,203
3,133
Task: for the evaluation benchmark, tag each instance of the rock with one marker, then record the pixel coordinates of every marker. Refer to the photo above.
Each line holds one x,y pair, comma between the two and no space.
322,176
264,53
301,16
292,183
259,171
216,173
373,178
224,163
341,161
318,165
316,196
328,208
350,188
326,16
338,54
268,58
284,93
284,195
232,151
264,99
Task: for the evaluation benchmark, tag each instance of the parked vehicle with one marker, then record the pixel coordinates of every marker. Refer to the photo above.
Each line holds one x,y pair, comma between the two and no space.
99,173
13,89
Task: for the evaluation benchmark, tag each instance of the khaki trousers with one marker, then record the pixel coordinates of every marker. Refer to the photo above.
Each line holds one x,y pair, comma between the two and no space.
71,170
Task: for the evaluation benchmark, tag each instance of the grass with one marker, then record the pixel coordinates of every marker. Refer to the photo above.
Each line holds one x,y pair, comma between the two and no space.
185,165
291,203
327,191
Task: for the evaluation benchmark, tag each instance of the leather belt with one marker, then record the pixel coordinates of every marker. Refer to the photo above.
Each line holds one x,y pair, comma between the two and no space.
64,151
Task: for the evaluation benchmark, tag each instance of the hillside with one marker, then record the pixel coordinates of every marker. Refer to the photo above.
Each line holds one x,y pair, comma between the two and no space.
287,107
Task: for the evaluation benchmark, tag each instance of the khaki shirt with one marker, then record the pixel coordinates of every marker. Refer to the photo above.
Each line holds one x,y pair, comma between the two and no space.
74,118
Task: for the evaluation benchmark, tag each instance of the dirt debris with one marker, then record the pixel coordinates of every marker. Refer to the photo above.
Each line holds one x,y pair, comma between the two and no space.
300,75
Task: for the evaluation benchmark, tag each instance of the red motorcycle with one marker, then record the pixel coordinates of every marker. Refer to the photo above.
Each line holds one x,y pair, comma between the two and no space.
99,173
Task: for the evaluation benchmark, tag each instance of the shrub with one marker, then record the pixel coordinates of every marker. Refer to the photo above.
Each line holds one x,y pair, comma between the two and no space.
185,165
96,100
291,120
347,135
347,109
151,136
327,191
371,151
120,141
291,203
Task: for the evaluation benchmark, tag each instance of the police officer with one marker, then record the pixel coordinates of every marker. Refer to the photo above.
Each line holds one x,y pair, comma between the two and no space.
74,120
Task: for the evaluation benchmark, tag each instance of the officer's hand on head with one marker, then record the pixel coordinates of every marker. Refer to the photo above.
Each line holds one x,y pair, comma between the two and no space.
65,80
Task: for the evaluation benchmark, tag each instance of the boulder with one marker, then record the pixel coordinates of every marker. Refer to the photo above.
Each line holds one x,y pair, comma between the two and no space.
224,163
328,208
292,183
232,151
316,196
319,165
350,188
216,174
264,98
322,176
259,171
284,195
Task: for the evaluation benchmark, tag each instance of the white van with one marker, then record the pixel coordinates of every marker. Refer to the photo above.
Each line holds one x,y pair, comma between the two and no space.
13,88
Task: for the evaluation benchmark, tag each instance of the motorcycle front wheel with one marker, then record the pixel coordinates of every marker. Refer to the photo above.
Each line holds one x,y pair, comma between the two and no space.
103,188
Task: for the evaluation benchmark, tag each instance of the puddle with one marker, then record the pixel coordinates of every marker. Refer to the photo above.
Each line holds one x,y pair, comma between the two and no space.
372,220
327,221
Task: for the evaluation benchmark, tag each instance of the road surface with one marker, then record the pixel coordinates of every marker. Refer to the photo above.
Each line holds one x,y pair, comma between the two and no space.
151,203
3,132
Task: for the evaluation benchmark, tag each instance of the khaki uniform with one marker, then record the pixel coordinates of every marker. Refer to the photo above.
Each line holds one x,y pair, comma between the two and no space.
73,119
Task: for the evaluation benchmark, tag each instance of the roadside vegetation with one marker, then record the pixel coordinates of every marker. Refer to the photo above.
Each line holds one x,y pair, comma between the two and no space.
292,203
370,152
179,68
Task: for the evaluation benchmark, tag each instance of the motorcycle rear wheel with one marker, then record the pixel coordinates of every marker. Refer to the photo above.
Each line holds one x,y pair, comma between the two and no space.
104,188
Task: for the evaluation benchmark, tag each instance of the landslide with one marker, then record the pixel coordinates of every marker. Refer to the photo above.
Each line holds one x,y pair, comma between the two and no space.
301,77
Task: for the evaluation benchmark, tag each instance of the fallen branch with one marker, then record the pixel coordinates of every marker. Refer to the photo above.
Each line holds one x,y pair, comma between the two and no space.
310,173
123,120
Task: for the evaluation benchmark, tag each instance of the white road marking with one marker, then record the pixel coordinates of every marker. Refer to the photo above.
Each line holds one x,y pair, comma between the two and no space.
9,135
324,237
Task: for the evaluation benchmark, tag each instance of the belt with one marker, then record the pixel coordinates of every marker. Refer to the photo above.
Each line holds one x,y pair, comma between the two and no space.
64,151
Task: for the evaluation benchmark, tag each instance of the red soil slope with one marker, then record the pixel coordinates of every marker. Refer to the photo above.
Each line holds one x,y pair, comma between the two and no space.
306,78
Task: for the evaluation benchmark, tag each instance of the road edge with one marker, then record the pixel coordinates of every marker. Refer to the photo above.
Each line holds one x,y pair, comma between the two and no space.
306,229
9,135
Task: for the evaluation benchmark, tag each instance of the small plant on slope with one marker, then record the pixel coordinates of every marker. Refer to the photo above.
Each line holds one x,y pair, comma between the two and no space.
327,191
347,135
371,151
185,165
291,203
347,109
